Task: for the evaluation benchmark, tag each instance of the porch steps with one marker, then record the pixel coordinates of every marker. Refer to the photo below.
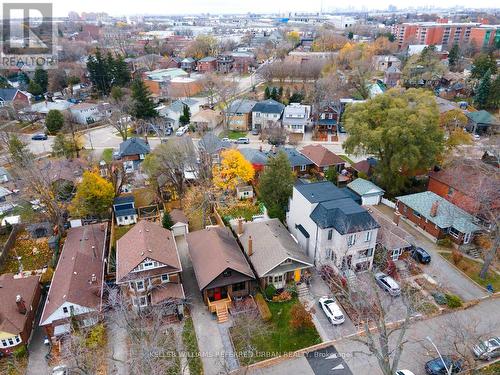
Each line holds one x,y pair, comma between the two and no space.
302,290
222,313
474,252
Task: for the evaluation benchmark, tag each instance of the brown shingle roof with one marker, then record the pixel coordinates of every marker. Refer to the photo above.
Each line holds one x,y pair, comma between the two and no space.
178,216
321,156
145,240
212,251
82,257
166,292
11,321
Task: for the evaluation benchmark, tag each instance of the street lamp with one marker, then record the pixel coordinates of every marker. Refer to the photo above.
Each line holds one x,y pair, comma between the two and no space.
448,371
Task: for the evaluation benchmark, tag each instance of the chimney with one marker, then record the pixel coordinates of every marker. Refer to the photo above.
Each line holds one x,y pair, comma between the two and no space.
240,226
250,246
21,306
396,217
434,209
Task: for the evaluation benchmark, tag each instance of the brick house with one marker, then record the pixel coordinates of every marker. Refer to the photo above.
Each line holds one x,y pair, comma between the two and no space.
323,158
148,267
75,293
20,297
438,217
239,114
207,64
13,97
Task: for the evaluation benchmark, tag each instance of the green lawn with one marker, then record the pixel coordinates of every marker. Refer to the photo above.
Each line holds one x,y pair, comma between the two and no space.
191,347
472,268
279,338
233,134
347,159
120,232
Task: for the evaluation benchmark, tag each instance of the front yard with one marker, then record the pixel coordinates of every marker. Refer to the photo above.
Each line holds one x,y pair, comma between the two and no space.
472,268
233,134
273,338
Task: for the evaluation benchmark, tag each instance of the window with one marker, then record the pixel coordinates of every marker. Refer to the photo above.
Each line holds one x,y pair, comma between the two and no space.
65,310
143,301
330,255
278,278
303,168
287,261
415,213
365,253
451,191
368,236
226,273
351,240
139,285
330,234
239,286
11,341
455,233
149,265
165,278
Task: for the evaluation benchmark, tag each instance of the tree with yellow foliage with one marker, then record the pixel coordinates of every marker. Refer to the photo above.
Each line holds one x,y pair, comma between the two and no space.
234,169
94,196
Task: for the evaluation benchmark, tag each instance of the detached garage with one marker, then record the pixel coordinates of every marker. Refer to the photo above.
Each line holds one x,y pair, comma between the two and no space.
181,225
370,193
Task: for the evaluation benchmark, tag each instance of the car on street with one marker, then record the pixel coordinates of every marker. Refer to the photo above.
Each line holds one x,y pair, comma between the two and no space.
404,372
437,366
243,141
60,370
487,349
255,132
181,131
225,139
388,284
421,255
39,137
332,310
476,137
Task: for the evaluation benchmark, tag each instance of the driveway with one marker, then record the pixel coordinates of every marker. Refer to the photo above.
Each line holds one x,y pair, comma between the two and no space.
37,364
208,332
440,270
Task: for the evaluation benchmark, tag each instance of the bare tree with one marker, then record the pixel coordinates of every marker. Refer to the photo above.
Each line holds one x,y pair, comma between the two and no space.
221,90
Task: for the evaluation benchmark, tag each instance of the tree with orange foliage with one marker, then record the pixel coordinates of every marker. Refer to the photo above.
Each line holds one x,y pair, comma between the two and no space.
233,170
300,318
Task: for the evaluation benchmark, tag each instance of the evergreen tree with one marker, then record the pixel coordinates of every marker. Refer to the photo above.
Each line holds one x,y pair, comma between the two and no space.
332,175
482,64
54,121
34,88
494,97
41,78
143,106
350,35
267,93
63,146
167,221
185,118
276,184
274,94
19,151
120,72
100,73
454,56
483,90
280,93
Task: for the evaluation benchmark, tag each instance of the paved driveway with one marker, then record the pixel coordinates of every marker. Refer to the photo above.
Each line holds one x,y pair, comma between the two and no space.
37,364
440,270
210,342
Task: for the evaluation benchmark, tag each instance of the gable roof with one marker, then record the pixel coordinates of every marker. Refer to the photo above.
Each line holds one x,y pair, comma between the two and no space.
212,144
11,320
321,156
178,216
241,106
272,244
448,215
134,146
212,251
482,117
345,215
254,156
124,199
8,94
178,105
390,235
269,106
295,158
362,187
323,191
146,240
82,256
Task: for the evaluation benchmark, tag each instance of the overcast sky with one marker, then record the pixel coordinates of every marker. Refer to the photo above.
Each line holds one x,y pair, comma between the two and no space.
130,7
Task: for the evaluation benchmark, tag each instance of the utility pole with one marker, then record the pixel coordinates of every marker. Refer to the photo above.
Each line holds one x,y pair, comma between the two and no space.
448,370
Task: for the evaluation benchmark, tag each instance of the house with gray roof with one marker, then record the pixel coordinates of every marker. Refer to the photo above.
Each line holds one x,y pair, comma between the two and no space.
437,217
266,113
274,254
369,193
240,114
211,146
132,153
296,117
331,227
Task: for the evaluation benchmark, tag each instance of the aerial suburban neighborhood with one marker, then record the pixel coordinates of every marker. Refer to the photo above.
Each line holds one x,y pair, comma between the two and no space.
250,188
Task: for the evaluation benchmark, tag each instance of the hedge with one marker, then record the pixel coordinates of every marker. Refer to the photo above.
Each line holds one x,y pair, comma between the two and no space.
191,346
453,301
264,311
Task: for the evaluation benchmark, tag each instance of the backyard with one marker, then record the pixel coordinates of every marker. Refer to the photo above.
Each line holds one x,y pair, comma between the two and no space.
245,209
31,254
472,268
276,336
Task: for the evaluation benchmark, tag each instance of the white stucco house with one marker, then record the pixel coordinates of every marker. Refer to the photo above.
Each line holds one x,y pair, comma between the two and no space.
296,117
331,227
369,193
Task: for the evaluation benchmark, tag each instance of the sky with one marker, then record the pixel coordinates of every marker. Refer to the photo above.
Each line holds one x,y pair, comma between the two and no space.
159,7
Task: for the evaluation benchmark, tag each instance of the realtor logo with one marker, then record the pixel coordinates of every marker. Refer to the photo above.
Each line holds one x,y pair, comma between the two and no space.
28,36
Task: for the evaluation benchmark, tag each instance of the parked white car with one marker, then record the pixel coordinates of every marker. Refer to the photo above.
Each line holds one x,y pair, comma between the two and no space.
388,284
181,131
331,310
404,372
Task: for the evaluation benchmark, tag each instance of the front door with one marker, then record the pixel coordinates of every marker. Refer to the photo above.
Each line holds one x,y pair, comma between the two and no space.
217,294
466,238
279,281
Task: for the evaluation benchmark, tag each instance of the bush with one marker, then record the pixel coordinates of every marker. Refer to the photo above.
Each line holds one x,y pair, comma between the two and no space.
20,352
391,269
445,242
264,311
47,276
457,257
270,291
300,318
97,337
453,301
282,297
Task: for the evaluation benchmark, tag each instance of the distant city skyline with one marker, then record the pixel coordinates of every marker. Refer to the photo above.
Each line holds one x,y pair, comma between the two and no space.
169,7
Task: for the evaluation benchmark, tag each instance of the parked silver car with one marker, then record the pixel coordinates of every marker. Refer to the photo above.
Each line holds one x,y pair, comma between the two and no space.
388,284
487,349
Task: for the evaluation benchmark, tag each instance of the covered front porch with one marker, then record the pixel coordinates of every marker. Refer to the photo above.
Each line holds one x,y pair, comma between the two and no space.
280,278
220,299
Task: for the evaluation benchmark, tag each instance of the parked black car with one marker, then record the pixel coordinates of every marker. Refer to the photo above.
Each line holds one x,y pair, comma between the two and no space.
40,137
421,255
437,367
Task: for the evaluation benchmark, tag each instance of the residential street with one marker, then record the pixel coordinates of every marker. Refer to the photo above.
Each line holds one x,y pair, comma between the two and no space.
440,270
414,356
